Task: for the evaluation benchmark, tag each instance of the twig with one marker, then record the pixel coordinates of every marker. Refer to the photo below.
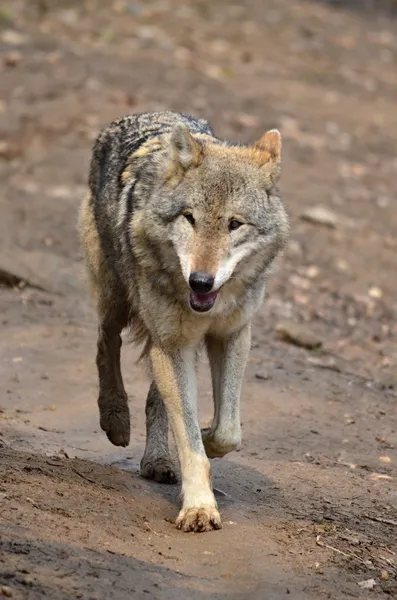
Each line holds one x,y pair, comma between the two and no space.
107,487
350,555
337,369
334,367
380,520
84,477
327,366
148,528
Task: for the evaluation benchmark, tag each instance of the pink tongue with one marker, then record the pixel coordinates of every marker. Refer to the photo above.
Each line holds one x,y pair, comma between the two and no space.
204,298
202,302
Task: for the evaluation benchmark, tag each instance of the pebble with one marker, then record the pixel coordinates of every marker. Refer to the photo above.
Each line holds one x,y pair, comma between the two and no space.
367,584
299,282
385,459
298,334
12,59
262,375
375,292
319,215
6,591
13,38
388,379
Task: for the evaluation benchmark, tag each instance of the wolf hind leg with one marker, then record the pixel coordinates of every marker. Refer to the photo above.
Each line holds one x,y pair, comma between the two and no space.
156,462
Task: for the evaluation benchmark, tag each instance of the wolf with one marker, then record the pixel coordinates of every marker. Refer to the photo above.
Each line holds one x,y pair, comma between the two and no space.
179,229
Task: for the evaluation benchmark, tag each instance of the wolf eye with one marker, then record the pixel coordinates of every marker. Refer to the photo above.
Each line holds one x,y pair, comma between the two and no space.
189,217
234,224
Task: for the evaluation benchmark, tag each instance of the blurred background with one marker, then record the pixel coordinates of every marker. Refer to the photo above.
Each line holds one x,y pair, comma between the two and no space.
323,72
322,379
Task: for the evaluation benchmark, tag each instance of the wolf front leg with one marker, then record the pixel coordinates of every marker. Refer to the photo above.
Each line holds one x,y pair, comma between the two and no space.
175,377
113,399
228,358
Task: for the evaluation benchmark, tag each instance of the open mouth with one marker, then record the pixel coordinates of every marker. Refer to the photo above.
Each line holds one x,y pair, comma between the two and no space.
202,302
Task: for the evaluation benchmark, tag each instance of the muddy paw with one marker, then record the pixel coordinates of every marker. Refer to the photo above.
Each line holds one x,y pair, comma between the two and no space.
199,520
115,421
160,469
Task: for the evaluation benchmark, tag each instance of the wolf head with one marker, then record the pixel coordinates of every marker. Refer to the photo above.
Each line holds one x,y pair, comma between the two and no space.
214,213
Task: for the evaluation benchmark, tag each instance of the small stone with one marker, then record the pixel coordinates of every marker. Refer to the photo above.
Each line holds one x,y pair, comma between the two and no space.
214,72
367,584
319,215
6,591
302,299
148,32
375,292
12,59
13,38
4,149
69,16
262,375
388,379
299,282
298,334
383,201
342,265
385,459
384,575
312,272
294,248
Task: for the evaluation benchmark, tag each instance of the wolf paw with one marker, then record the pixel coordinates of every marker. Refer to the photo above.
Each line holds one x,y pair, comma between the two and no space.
160,469
204,518
115,421
215,448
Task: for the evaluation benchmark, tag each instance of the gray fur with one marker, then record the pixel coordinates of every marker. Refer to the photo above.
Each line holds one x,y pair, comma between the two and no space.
163,194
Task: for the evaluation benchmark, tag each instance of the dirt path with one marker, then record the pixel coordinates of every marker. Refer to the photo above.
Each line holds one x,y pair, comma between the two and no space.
309,503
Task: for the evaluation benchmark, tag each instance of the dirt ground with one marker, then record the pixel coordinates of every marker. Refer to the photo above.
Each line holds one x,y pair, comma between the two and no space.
309,503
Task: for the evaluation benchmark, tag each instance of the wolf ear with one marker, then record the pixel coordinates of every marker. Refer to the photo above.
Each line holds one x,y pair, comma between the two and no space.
186,152
268,152
270,146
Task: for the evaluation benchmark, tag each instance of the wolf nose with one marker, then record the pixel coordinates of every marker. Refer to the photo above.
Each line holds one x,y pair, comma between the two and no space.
201,282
